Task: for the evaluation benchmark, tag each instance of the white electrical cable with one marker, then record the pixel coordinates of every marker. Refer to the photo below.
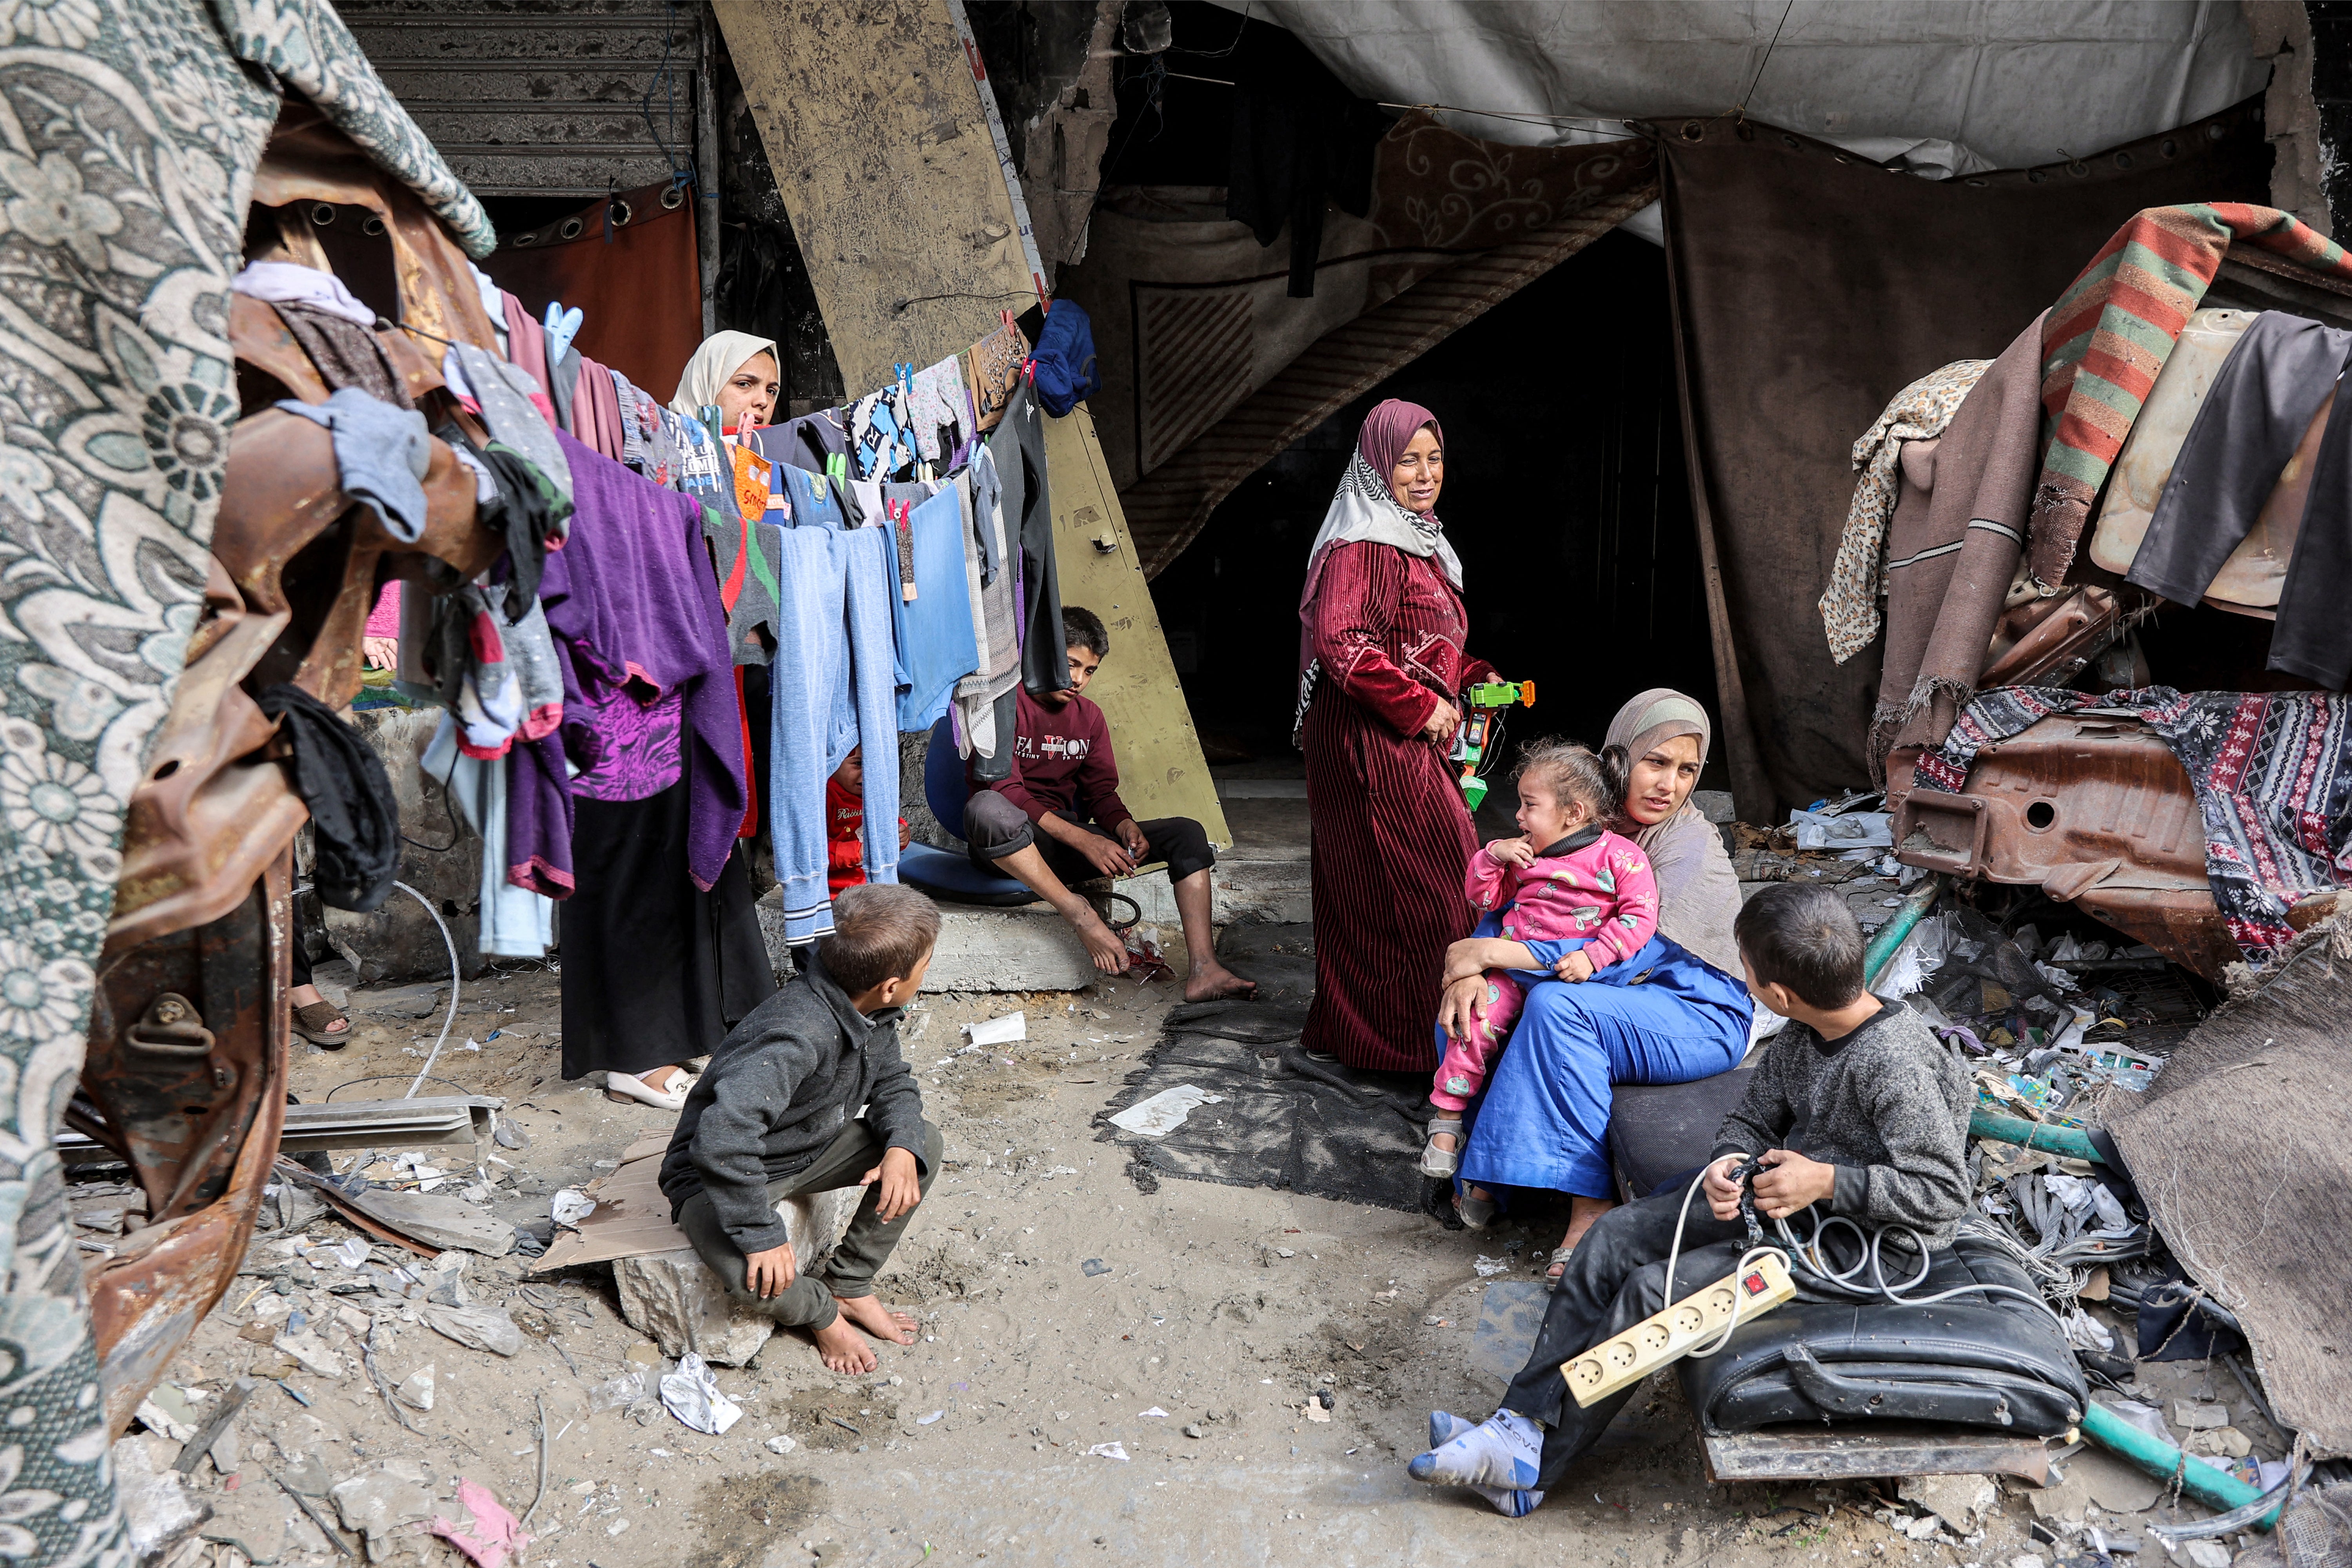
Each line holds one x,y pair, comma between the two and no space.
1806,1262
448,1017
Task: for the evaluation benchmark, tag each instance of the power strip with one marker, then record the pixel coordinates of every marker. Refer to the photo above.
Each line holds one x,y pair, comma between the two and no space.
1671,1334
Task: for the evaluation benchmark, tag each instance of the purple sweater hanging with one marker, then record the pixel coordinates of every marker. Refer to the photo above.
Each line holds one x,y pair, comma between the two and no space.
636,619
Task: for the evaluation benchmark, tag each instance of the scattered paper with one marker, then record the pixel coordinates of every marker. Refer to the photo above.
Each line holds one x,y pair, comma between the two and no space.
1001,1031
692,1395
1108,1451
570,1206
1488,1267
1163,1113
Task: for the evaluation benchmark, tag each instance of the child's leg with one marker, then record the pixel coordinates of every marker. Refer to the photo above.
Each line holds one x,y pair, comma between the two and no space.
804,1303
1463,1072
870,1239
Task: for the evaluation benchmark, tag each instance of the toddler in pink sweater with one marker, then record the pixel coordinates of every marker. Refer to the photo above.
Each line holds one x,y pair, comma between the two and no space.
1565,878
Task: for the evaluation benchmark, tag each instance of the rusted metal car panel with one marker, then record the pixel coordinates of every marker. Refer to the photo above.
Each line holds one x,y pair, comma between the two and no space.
185,1077
2092,809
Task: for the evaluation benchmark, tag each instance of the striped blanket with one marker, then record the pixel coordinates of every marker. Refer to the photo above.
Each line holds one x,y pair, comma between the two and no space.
2273,773
2111,331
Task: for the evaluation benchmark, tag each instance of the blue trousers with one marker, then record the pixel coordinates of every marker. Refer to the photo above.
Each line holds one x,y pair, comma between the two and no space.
832,685
1660,1016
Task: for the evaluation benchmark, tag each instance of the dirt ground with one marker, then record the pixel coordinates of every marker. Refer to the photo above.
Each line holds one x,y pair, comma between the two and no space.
1061,1312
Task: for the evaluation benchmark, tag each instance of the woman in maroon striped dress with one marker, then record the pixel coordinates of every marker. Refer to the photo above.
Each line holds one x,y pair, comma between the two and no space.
1380,660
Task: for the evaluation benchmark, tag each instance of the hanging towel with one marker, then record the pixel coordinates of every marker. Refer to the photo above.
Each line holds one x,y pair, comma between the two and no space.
1849,606
527,351
539,815
291,283
382,453
996,614
504,394
2257,412
1018,452
941,411
2110,334
746,555
1952,552
352,810
515,922
937,643
344,354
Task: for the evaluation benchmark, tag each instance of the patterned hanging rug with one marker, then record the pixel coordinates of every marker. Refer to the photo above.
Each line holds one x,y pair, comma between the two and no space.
2273,773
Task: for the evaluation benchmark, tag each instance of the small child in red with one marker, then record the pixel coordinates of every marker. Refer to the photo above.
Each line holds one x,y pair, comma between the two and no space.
1565,878
845,811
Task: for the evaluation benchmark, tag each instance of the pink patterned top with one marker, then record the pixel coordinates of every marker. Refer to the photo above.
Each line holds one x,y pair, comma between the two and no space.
1593,884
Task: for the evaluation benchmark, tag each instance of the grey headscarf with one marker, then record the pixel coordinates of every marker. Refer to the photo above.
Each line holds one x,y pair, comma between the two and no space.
1698,892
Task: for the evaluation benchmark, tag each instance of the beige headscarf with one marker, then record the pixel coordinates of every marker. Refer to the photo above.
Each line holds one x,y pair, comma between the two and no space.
720,357
1698,892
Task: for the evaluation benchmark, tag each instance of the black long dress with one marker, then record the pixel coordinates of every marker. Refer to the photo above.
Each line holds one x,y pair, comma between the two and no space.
656,971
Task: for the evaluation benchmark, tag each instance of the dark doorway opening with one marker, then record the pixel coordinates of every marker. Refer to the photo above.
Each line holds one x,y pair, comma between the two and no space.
1566,494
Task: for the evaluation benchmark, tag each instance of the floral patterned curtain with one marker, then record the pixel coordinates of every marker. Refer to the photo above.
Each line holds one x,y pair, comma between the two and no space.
130,130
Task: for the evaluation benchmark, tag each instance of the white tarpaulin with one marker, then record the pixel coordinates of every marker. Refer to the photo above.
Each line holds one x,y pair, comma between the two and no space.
1952,87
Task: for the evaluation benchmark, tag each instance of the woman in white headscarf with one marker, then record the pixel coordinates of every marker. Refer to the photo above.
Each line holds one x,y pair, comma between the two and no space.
742,373
1686,1015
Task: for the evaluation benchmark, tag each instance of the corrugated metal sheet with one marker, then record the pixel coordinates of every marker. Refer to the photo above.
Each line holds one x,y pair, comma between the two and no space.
544,97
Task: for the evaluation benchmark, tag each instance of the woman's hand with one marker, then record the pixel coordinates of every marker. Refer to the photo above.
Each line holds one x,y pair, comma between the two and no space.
1464,1005
1477,954
1442,722
1573,966
380,653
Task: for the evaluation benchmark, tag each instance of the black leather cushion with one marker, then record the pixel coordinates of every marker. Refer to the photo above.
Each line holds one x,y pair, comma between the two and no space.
1977,1360
1657,1131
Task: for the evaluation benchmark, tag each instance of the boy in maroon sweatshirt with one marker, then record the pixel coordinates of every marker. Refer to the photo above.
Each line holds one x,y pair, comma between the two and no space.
1057,819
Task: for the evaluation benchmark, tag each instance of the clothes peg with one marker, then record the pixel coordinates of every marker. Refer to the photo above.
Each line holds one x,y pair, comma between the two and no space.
562,326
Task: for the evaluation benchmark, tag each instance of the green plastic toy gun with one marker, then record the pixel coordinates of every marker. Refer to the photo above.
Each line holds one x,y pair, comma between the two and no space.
1480,739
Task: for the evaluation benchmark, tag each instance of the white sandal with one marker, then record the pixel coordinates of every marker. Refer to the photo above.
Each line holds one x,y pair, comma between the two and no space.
628,1086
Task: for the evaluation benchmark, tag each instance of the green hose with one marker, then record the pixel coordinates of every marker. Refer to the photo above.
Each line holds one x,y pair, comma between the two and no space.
2215,1488
1907,916
2071,1142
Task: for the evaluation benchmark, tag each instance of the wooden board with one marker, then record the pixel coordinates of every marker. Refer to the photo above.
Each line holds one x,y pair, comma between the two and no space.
632,1216
1162,771
1888,1448
872,120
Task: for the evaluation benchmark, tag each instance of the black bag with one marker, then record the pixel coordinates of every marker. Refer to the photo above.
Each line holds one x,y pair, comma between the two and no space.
1975,1361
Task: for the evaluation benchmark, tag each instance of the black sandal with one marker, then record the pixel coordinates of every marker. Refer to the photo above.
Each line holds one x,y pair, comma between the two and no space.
312,1018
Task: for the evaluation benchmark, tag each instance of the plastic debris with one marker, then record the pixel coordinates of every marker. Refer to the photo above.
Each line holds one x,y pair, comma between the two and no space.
1002,1031
1155,1412
1164,1113
416,1390
618,1395
475,1328
927,1420
692,1395
486,1534
1488,1267
570,1206
1093,1267
1108,1451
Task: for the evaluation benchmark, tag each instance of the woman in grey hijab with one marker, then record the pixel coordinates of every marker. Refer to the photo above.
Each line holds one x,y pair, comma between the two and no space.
1683,1014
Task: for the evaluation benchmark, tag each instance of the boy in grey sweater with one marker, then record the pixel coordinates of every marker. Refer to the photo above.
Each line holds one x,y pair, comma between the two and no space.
777,1114
1858,1108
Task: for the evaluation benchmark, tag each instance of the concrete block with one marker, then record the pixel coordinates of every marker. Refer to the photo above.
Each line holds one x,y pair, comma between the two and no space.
1960,1501
674,1299
1715,805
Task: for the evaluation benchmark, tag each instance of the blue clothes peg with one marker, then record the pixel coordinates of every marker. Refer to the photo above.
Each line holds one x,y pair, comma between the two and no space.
562,326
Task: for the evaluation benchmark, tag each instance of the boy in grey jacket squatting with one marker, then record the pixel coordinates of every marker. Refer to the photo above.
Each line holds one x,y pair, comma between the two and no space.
777,1114
1857,1108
